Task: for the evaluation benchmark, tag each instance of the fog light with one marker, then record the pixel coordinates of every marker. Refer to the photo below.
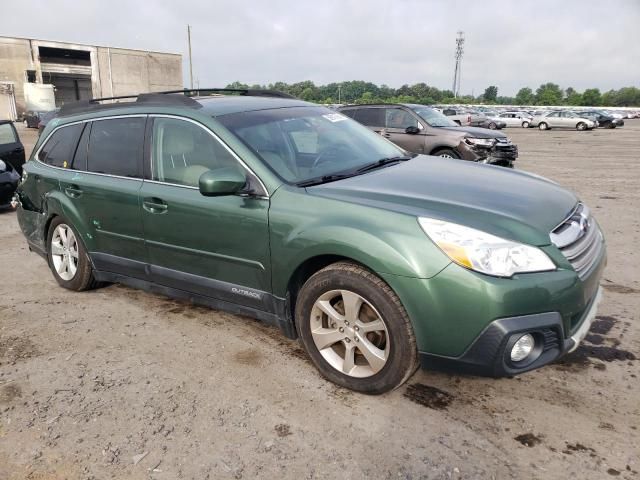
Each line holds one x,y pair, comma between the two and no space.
522,348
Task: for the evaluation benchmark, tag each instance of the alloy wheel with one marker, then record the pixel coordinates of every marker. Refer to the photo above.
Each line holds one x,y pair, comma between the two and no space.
349,333
64,252
445,155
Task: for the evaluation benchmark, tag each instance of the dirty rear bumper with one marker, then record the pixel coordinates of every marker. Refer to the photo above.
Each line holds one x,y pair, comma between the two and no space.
489,354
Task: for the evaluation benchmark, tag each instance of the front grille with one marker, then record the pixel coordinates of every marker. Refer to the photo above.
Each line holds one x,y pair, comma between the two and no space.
504,149
580,240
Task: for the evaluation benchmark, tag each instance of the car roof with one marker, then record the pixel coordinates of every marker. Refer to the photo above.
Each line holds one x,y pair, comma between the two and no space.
225,105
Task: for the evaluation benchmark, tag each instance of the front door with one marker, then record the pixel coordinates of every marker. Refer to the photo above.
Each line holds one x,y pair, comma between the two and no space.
212,246
397,120
11,149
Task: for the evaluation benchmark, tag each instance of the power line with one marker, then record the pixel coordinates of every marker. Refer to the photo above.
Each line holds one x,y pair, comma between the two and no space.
457,73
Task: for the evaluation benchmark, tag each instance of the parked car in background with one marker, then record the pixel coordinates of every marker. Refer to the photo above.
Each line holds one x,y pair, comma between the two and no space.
562,119
461,116
421,129
488,120
602,119
11,161
289,212
516,119
46,118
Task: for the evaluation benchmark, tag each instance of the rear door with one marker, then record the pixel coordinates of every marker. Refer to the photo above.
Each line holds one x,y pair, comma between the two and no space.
102,183
213,246
11,149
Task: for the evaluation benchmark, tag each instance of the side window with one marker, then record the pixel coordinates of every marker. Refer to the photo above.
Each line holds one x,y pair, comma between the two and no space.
371,117
398,118
59,149
115,146
7,135
182,152
351,113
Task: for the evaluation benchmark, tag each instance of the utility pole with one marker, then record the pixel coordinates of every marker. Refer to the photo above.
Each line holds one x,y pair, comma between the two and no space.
190,61
339,87
457,73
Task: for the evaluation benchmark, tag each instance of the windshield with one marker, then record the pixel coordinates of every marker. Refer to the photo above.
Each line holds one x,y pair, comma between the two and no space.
433,117
304,143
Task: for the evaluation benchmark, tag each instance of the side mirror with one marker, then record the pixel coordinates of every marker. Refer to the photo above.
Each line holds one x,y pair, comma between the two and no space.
221,181
412,130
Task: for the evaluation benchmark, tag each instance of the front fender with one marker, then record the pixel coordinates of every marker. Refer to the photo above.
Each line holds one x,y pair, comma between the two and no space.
385,242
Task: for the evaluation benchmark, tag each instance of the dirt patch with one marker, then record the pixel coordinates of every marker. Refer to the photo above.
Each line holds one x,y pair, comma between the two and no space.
528,439
578,447
613,472
251,357
283,430
582,357
15,349
10,392
428,396
617,288
603,324
595,339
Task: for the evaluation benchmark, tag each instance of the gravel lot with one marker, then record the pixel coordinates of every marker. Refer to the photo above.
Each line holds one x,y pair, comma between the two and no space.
117,383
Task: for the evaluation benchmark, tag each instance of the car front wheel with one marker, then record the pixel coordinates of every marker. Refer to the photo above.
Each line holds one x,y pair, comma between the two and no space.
355,329
492,126
543,126
525,124
581,126
68,258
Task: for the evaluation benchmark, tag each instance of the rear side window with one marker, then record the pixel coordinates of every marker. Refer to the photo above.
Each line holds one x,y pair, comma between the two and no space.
371,117
59,149
80,158
7,135
349,112
115,146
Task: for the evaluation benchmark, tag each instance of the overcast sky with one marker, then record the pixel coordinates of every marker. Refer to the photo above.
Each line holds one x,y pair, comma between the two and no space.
578,43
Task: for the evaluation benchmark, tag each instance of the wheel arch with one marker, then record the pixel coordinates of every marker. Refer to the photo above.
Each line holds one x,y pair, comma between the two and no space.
58,205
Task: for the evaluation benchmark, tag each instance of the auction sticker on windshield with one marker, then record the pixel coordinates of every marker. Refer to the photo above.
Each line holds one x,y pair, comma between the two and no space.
335,117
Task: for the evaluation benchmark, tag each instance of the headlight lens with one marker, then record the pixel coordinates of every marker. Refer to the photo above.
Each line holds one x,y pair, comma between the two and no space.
523,347
3,166
483,142
483,252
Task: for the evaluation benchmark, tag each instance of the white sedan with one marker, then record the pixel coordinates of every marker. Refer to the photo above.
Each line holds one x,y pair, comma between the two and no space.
562,119
516,119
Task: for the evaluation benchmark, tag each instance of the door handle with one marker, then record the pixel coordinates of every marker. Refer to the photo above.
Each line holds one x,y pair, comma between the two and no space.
155,205
73,191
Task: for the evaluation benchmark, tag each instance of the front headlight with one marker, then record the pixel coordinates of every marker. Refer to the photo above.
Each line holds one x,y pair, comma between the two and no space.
483,252
3,166
482,142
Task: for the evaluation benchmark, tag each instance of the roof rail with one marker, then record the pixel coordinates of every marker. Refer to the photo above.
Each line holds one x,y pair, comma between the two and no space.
167,97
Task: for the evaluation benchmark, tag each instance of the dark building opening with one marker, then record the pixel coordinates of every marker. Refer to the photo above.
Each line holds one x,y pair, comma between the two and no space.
65,56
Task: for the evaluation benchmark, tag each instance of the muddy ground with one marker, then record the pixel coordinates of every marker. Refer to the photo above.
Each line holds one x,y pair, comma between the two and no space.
116,383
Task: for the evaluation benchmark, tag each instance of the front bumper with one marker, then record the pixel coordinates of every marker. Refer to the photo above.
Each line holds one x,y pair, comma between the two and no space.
502,153
489,354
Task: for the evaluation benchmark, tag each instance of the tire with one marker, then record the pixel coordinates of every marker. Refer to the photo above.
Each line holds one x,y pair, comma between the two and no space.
492,126
79,278
543,126
581,126
390,344
525,124
446,153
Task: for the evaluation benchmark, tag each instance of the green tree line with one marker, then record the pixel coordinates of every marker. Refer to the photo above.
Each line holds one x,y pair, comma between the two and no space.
359,91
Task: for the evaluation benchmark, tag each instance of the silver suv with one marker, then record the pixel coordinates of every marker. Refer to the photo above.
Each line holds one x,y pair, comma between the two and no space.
424,130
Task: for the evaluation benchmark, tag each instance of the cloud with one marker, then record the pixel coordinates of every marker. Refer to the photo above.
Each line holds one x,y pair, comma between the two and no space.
511,44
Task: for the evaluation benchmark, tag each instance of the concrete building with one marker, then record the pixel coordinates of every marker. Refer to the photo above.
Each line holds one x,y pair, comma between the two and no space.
76,72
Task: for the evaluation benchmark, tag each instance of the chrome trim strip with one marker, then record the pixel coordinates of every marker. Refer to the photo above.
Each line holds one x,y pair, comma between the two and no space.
582,331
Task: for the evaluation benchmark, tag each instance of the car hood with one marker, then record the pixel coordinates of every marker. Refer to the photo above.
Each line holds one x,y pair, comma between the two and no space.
507,203
474,132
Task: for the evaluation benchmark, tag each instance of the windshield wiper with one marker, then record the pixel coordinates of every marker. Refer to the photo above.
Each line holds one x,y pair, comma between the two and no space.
382,162
324,179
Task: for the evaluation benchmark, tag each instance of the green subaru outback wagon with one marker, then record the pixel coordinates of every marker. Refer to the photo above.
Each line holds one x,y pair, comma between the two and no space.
267,206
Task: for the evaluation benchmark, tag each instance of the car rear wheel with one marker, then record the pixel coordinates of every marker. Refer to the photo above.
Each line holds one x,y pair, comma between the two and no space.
355,329
447,153
525,124
581,126
68,258
492,126
543,126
